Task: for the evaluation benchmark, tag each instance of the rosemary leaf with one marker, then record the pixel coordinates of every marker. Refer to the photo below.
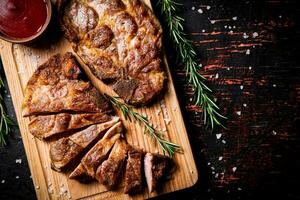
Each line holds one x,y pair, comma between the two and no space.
187,55
128,112
5,122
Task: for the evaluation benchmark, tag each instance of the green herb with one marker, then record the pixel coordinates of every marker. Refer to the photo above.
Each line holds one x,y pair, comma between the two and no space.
187,55
129,113
5,122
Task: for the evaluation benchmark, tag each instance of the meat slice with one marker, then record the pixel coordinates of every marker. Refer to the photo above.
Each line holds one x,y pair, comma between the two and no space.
109,171
57,86
95,156
156,168
120,41
46,126
67,149
133,174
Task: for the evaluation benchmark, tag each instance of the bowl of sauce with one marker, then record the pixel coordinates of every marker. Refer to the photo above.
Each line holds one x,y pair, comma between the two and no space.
22,21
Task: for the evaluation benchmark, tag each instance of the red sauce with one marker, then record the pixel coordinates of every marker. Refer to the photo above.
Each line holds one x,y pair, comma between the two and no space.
22,18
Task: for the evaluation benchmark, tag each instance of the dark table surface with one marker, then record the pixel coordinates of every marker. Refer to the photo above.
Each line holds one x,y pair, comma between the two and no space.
250,54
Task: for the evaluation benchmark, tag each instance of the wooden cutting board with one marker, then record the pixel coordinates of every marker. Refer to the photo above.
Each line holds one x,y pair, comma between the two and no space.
20,62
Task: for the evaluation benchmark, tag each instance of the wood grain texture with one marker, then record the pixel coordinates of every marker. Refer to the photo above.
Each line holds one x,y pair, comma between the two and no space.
20,62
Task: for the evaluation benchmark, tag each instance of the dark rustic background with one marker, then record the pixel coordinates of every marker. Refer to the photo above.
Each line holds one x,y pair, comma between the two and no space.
251,57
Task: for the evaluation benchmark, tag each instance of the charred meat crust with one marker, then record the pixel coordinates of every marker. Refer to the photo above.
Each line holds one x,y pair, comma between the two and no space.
120,41
109,171
133,173
67,149
97,154
57,86
46,126
156,168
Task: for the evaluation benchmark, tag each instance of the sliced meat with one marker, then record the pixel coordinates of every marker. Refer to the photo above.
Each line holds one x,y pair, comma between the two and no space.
67,149
58,86
156,168
109,171
133,174
45,126
95,156
128,39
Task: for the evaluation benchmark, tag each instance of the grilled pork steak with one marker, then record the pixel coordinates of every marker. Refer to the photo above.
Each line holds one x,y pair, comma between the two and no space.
97,154
156,167
120,41
133,174
46,126
57,86
109,171
66,150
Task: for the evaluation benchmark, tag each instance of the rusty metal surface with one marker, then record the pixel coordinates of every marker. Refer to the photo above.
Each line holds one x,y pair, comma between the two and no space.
250,52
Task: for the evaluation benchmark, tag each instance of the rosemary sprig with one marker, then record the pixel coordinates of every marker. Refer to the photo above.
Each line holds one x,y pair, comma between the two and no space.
5,122
187,55
129,113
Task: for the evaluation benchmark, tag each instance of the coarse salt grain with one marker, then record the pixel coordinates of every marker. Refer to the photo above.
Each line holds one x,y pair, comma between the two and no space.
234,169
174,108
19,161
50,190
203,30
193,8
245,36
223,141
220,158
17,177
212,21
3,181
208,163
244,104
239,113
208,7
248,51
217,75
219,135
241,87
234,18
255,34
250,68
274,85
158,112
274,132
200,11
167,121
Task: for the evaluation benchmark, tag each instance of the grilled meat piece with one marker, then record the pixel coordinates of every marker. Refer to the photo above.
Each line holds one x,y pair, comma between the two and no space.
133,174
109,171
97,154
67,149
46,126
120,41
156,168
57,86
